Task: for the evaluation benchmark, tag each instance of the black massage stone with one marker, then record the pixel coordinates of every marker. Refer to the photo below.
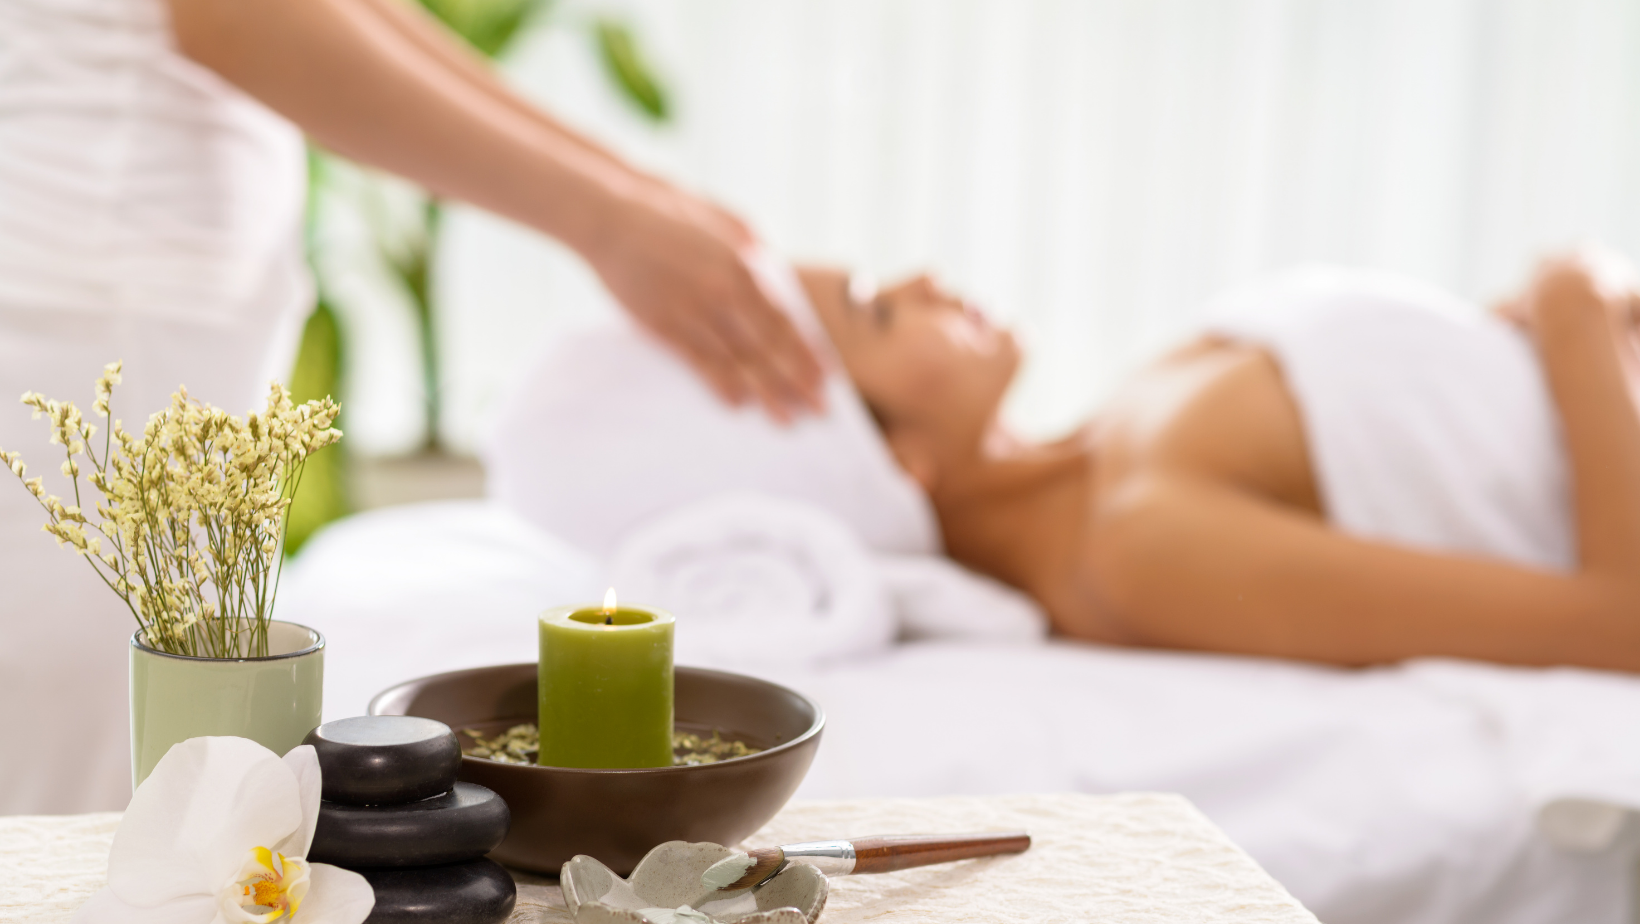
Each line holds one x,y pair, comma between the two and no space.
475,892
385,759
466,822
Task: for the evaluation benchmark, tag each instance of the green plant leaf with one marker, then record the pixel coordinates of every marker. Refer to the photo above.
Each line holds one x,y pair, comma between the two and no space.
632,74
488,25
324,494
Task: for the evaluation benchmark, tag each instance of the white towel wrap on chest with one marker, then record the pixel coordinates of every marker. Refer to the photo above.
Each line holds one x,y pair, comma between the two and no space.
1428,421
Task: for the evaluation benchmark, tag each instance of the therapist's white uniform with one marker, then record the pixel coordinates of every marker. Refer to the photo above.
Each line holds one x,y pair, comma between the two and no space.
149,212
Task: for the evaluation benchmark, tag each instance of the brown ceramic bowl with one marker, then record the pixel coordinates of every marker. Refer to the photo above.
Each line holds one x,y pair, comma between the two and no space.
616,816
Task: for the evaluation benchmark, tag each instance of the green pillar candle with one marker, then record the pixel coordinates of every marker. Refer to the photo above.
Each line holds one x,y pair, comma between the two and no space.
605,688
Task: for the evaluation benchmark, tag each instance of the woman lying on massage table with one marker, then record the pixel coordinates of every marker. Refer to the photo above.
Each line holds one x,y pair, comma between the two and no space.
1191,514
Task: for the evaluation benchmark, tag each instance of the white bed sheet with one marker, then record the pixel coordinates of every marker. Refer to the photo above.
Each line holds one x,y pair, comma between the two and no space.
1406,794
1376,796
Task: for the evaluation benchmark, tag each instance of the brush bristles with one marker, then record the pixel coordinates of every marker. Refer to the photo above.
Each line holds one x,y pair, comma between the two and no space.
768,861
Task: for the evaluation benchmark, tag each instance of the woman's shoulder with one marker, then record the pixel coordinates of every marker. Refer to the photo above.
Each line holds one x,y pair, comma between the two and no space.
1217,412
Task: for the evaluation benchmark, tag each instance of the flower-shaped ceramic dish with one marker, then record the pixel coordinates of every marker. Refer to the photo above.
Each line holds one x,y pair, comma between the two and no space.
669,876
618,815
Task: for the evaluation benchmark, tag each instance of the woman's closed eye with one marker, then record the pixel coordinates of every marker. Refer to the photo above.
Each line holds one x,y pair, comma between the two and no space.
882,312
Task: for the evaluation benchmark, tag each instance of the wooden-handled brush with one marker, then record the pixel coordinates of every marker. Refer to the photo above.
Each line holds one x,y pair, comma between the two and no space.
861,855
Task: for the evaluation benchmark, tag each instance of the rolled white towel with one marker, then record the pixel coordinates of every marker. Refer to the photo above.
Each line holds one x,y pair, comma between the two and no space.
756,579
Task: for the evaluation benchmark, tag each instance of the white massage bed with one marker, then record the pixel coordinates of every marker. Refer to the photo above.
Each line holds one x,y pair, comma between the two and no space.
1429,792
1408,794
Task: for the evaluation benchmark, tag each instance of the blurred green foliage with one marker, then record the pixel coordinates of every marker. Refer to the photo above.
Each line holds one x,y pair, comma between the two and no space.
488,25
630,70
491,26
323,493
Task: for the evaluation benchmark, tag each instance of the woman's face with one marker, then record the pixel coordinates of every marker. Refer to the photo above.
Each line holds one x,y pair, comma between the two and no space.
920,356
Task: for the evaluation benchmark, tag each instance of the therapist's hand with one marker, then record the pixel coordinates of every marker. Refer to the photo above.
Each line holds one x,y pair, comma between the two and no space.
378,81
679,265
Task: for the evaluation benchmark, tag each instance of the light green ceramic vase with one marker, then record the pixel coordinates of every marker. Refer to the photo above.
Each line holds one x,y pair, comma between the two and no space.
274,701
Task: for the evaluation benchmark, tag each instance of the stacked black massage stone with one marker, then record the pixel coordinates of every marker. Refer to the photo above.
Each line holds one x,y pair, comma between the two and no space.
394,812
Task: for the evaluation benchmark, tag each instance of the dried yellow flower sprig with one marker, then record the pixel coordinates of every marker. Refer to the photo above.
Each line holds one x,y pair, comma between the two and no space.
192,517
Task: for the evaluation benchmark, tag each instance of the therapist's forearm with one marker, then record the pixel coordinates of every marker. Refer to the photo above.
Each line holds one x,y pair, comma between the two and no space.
362,88
463,63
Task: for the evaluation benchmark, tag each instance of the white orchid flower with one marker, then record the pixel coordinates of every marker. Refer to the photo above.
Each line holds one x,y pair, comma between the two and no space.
218,834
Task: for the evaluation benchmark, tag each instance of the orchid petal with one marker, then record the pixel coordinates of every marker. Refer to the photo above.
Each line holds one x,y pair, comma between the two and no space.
336,896
107,908
303,762
188,826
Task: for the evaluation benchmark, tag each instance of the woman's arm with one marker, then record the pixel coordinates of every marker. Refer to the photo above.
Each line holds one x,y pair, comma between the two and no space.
1579,330
362,81
1185,562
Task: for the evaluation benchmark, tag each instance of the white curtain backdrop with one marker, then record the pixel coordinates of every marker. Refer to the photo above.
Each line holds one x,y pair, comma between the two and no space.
1090,170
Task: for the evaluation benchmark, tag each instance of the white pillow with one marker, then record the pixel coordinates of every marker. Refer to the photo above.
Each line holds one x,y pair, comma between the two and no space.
610,429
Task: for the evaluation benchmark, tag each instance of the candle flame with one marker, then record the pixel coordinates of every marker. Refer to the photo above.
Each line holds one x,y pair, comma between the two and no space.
609,600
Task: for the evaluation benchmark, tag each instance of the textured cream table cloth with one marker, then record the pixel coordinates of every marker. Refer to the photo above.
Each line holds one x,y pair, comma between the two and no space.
1140,857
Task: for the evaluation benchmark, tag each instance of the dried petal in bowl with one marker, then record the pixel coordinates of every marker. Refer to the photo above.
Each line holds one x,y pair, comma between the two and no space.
521,743
668,877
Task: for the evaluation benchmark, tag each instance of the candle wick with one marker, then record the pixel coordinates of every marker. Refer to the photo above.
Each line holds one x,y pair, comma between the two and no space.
609,620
